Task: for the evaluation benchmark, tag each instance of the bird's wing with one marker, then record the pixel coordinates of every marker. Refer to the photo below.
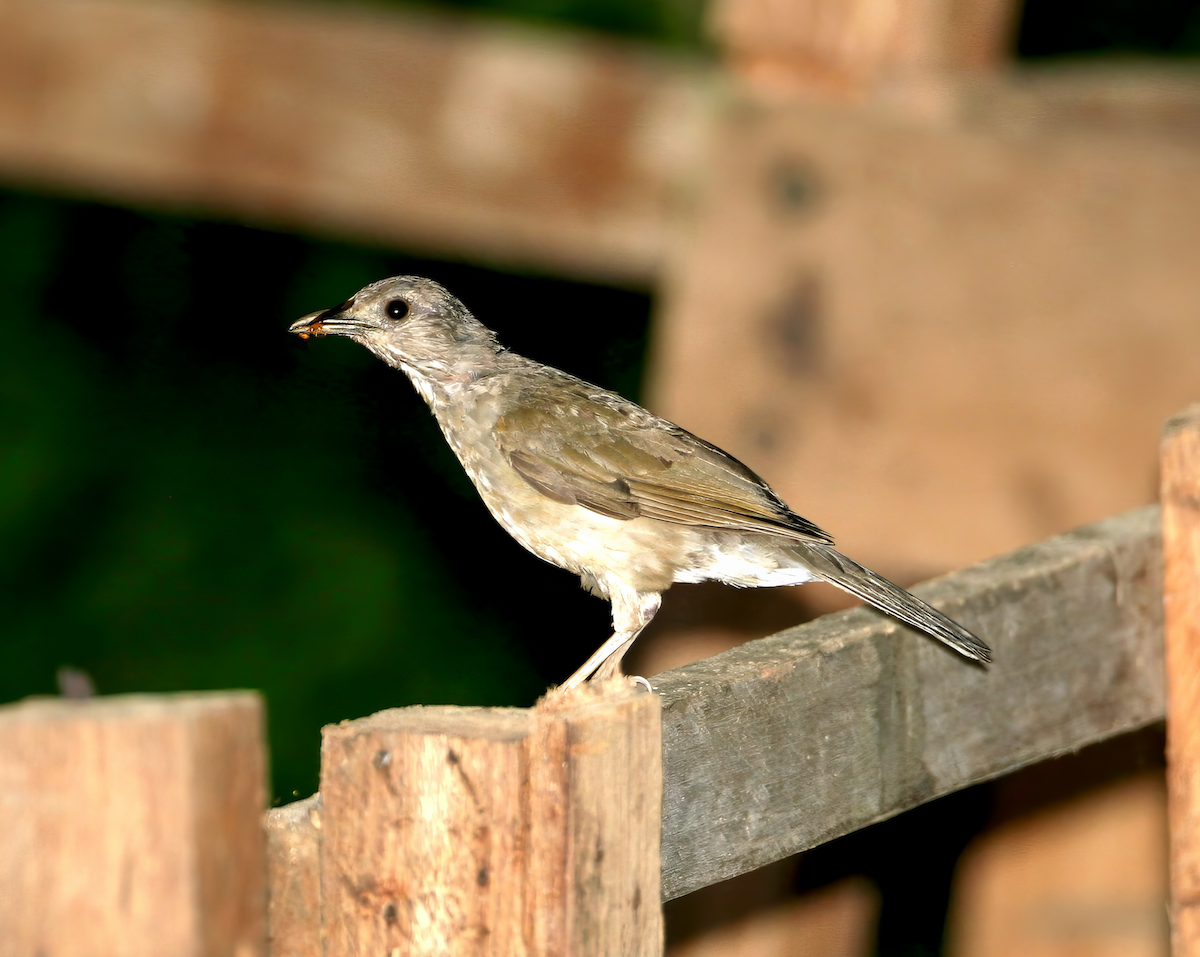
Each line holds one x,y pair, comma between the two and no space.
620,461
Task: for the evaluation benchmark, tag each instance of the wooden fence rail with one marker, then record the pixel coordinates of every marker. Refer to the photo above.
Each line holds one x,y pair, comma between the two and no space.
784,743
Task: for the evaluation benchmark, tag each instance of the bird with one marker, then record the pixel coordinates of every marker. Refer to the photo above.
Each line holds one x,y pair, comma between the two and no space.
595,483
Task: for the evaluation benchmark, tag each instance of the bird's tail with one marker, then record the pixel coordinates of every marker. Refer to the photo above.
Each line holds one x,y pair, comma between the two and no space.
837,569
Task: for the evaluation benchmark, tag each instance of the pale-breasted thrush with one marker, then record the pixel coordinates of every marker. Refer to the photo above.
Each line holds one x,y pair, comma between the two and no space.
596,484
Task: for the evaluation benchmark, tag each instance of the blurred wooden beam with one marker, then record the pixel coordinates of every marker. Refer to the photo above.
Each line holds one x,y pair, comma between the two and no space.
943,340
856,48
460,137
1085,874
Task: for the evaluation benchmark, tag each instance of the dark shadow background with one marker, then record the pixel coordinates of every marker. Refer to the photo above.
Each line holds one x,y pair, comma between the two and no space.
1054,28
191,498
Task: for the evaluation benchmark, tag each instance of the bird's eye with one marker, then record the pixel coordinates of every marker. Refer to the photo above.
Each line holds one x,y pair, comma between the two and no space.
396,309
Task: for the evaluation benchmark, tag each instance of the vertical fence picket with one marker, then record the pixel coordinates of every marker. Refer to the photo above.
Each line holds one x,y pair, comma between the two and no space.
1181,586
132,826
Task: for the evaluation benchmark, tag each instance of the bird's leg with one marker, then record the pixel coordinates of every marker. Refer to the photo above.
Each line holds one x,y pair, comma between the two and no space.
599,657
611,666
632,612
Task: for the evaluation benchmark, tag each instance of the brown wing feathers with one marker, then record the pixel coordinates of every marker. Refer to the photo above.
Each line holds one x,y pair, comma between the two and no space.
607,498
625,472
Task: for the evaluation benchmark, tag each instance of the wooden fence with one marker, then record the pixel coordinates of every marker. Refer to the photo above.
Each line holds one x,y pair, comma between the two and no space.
133,823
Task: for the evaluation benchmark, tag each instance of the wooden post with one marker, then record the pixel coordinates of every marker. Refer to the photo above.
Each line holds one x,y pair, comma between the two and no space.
294,879
1181,585
132,826
479,831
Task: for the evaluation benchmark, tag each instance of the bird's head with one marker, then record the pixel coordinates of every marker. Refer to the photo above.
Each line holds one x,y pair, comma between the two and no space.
411,323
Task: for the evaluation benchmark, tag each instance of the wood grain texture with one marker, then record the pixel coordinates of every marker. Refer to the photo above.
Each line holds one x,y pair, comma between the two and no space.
784,743
611,770
294,879
132,826
1181,556
495,831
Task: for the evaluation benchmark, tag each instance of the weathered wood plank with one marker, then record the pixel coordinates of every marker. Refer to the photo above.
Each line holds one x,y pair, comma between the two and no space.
1181,594
784,743
467,138
132,826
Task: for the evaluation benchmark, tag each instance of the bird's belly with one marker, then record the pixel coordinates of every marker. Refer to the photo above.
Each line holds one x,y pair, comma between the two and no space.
643,554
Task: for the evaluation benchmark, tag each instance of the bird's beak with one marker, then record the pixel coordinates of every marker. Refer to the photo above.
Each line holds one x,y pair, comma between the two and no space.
328,322
310,325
